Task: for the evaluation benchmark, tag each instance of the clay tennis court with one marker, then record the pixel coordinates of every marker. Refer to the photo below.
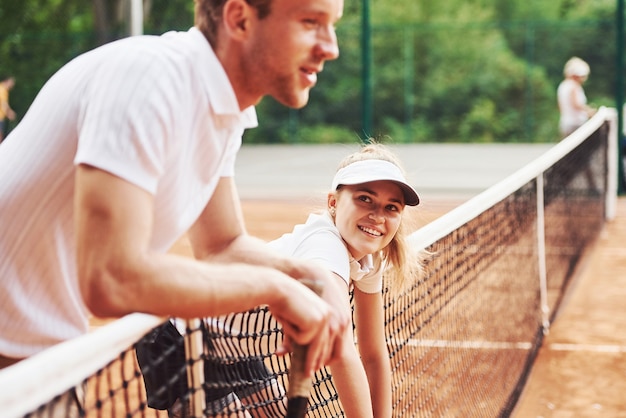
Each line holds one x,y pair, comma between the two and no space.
579,371
581,368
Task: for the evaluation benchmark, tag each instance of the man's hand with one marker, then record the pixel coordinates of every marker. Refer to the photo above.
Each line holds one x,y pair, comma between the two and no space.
334,293
306,320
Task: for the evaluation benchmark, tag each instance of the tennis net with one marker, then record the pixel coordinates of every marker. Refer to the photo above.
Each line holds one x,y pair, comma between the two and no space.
462,340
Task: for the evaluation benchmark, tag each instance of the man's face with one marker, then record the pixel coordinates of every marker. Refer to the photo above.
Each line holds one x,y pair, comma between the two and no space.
288,48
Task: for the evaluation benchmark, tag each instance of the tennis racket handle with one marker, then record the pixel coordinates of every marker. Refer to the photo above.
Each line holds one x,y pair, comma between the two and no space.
299,383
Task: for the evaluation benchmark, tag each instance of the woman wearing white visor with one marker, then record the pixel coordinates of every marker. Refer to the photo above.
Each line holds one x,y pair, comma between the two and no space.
359,236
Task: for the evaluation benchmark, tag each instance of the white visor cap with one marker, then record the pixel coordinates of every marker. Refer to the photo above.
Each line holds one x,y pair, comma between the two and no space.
366,171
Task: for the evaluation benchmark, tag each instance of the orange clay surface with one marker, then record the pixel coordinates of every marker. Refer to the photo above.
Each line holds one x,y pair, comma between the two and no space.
581,367
580,370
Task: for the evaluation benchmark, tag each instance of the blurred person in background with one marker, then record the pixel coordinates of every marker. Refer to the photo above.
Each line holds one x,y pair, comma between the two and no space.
6,112
571,97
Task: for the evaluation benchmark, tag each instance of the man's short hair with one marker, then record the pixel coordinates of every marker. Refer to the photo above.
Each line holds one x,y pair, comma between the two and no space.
208,15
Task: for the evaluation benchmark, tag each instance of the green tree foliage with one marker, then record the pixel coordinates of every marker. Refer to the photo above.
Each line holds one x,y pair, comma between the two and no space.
165,15
36,38
485,70
459,70
586,28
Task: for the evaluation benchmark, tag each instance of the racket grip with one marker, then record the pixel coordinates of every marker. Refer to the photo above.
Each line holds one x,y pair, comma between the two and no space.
299,383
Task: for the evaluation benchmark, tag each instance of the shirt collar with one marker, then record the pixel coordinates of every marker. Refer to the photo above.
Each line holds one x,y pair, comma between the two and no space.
359,269
217,85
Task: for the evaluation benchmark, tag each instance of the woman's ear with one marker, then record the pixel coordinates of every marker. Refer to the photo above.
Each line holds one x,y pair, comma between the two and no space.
332,200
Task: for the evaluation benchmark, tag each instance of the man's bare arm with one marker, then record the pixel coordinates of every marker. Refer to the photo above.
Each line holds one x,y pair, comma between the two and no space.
119,275
227,241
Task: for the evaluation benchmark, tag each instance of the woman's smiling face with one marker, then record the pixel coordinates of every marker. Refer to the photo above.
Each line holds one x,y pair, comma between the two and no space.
367,215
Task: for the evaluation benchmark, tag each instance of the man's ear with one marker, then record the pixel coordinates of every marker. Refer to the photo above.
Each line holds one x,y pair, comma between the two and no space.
237,15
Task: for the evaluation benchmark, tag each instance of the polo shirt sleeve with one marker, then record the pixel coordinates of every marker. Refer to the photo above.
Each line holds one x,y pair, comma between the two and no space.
326,248
126,116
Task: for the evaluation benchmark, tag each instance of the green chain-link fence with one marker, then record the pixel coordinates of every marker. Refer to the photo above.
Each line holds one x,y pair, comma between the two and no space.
475,82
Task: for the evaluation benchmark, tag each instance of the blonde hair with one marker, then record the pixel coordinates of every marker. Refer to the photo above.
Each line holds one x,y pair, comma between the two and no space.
402,265
576,67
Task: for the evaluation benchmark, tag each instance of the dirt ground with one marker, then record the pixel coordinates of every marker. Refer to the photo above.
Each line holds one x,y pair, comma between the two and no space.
581,369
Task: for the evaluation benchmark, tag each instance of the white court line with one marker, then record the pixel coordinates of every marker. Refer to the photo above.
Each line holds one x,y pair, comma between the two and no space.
500,345
478,345
595,348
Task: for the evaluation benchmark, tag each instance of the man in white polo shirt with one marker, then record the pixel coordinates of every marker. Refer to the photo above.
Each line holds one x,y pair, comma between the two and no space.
132,145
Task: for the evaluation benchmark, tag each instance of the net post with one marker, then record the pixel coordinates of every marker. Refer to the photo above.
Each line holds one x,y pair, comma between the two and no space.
541,256
136,17
612,164
194,347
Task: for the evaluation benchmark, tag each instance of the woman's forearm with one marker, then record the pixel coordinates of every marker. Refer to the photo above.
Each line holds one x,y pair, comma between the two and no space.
379,378
351,381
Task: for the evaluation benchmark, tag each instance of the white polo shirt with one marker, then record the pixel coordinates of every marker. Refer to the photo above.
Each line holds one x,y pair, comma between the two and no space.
157,111
319,240
571,117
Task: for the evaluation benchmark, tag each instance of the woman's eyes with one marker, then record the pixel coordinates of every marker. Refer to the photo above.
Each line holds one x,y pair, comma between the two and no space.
368,199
